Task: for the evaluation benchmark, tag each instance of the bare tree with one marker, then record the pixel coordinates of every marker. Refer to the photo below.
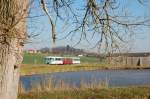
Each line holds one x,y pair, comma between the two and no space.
96,17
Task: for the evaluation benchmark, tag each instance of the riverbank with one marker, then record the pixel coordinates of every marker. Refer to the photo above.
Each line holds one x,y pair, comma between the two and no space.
103,93
29,69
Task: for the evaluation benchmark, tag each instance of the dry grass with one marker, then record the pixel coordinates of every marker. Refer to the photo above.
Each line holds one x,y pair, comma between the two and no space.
43,68
48,85
104,93
29,69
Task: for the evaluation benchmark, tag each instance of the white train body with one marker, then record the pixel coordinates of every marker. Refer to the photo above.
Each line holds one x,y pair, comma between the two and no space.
76,60
53,60
62,60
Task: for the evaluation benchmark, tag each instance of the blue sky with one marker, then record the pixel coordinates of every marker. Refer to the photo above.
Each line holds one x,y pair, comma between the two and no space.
139,42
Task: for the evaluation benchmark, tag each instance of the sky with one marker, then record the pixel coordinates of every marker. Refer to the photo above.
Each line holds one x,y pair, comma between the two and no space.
138,42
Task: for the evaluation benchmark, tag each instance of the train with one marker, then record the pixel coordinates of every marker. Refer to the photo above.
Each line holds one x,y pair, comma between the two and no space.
61,60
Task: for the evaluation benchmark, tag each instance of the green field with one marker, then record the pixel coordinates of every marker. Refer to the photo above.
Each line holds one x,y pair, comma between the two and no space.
33,58
39,59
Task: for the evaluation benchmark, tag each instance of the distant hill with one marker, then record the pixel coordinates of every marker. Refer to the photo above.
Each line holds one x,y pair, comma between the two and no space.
67,50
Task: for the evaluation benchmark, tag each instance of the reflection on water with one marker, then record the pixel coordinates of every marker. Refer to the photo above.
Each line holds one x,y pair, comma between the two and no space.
113,77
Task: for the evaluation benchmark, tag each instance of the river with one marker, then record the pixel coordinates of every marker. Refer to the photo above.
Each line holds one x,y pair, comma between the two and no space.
114,78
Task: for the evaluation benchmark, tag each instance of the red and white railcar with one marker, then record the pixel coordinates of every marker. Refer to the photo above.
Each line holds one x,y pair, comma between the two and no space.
62,60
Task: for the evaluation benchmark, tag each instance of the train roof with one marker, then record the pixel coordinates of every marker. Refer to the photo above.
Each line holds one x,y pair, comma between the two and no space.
53,57
62,57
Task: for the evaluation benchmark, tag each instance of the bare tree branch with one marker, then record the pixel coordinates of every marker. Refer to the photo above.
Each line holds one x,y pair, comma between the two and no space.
50,19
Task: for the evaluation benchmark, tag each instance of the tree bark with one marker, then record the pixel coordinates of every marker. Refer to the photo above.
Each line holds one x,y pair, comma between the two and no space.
12,36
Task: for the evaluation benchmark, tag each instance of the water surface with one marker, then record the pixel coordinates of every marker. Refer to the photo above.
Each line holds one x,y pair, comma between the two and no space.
112,77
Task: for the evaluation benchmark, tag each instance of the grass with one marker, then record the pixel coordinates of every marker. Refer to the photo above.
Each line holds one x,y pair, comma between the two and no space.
33,58
28,69
104,93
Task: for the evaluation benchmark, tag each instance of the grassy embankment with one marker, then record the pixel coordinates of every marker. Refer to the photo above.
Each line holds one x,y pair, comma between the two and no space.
104,93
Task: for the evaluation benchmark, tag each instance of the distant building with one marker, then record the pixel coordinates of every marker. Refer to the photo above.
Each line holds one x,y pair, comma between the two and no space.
80,55
31,51
132,59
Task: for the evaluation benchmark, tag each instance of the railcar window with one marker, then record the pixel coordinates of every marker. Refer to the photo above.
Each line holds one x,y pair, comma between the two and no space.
58,59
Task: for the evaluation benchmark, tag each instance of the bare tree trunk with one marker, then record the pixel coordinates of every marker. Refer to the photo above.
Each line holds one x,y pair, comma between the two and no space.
12,36
9,74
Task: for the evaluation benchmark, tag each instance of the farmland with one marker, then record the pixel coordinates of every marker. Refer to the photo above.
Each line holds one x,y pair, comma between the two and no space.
33,58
